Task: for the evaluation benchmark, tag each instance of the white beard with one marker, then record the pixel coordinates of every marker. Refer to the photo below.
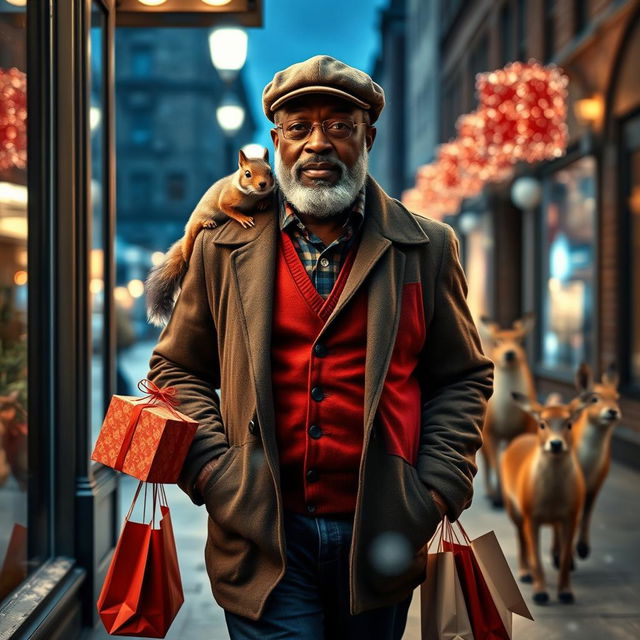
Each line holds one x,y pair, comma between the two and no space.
324,199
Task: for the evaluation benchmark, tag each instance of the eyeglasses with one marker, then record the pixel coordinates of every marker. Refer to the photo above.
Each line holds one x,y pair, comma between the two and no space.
335,128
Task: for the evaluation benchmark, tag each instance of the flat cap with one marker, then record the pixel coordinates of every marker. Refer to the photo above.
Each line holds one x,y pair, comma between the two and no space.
323,74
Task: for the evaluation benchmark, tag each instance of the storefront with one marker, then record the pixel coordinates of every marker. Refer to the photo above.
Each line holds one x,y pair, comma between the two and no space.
58,510
58,520
572,256
585,278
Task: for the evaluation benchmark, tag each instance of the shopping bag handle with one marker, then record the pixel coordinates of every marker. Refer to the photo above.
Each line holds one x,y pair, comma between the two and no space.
448,533
158,495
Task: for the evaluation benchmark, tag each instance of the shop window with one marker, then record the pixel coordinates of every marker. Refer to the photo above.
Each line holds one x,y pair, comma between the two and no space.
631,169
14,425
568,236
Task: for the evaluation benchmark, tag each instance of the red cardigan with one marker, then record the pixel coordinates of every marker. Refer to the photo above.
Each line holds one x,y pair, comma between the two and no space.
318,386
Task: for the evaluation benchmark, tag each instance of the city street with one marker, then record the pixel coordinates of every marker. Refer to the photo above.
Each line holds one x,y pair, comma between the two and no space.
605,585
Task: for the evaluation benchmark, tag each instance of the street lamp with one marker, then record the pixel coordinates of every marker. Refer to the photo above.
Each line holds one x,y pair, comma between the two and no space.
228,49
230,115
253,150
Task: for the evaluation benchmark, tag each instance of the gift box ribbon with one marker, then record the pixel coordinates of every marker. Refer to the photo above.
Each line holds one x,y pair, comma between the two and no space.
160,397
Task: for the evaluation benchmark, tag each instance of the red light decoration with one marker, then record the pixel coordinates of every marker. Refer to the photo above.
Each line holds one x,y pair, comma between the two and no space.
526,108
13,118
521,117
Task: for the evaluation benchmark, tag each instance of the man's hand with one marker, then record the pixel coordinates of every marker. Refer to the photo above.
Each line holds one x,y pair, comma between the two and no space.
440,503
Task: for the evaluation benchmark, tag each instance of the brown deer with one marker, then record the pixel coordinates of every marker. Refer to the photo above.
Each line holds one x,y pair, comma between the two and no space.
504,419
592,434
543,484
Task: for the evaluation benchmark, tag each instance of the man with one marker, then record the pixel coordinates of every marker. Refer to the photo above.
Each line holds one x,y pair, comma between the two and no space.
353,384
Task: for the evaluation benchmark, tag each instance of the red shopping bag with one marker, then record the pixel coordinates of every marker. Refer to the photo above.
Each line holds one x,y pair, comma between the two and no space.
485,618
142,591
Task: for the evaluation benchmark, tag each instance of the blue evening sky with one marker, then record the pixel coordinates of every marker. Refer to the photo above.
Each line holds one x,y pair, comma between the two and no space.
296,30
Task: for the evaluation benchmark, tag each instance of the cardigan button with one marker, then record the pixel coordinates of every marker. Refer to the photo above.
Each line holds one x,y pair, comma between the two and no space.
252,427
317,394
315,431
320,349
311,508
312,475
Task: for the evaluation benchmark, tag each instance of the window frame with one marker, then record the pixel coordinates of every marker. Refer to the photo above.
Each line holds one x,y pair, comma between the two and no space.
625,279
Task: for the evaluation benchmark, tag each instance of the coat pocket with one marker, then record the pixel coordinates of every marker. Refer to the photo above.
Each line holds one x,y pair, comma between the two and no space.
398,510
243,526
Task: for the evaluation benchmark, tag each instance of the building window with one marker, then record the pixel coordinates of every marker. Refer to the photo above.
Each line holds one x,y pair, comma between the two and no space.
176,186
507,44
451,107
580,15
568,236
549,29
141,60
521,30
478,62
140,127
140,188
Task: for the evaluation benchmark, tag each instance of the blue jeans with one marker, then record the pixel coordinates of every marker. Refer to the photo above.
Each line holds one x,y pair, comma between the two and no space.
311,601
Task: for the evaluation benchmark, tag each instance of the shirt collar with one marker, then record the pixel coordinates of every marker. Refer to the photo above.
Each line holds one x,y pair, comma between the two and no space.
289,217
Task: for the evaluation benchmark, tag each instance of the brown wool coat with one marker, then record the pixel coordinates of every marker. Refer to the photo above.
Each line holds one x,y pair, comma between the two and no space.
218,337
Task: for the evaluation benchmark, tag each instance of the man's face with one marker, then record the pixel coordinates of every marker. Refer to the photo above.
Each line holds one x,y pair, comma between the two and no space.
320,175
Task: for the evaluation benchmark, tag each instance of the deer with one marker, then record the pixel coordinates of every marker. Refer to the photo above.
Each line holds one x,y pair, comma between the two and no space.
592,434
504,419
543,484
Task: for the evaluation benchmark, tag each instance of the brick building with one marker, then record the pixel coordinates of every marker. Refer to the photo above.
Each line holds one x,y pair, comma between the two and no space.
574,259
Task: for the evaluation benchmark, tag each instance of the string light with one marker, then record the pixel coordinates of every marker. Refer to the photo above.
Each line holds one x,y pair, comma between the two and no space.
521,117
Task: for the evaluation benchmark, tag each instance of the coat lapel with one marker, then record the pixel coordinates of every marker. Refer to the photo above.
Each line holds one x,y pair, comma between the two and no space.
253,273
252,278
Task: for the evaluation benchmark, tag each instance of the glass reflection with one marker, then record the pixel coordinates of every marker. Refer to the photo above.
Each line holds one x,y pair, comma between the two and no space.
569,223
14,463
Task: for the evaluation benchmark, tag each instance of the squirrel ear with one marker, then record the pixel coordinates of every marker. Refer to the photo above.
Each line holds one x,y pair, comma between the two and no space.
265,155
242,158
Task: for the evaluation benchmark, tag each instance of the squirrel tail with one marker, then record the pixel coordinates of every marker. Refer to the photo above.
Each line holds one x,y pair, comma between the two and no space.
162,285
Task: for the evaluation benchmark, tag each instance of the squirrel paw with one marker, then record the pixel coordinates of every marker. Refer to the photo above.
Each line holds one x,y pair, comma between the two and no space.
245,221
209,224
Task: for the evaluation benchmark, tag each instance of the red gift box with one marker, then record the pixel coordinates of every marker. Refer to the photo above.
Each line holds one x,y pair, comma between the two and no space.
146,438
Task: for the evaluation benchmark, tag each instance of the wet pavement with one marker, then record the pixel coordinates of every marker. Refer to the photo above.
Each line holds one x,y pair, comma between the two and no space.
606,585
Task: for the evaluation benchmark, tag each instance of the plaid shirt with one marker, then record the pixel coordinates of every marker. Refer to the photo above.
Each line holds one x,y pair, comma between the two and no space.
322,262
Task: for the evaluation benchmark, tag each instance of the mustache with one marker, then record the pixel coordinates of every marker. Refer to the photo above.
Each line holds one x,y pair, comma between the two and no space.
301,164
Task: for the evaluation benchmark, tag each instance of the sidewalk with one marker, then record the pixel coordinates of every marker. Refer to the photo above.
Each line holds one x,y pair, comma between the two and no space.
606,586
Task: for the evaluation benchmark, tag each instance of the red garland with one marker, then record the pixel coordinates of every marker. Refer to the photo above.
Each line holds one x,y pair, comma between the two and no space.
521,117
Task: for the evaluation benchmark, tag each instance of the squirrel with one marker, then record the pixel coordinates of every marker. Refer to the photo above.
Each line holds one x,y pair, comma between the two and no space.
248,188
